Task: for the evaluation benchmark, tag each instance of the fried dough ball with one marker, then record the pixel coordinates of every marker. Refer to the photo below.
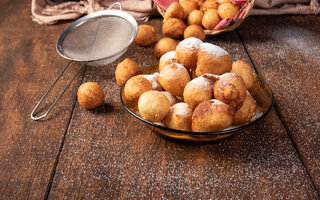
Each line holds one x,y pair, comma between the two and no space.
213,59
90,95
228,10
188,7
172,99
187,52
146,35
210,19
223,1
246,112
126,69
209,4
230,89
173,78
197,90
195,17
173,27
211,115
179,117
243,69
194,30
164,45
167,59
137,85
175,10
153,106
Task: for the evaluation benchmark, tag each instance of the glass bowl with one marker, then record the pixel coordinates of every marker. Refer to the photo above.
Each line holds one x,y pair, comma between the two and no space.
260,91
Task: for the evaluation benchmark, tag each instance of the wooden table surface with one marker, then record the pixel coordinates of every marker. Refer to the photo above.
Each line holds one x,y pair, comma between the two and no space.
108,154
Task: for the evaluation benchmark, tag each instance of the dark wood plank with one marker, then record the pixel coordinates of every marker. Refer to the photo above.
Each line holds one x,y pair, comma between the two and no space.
285,51
109,154
28,65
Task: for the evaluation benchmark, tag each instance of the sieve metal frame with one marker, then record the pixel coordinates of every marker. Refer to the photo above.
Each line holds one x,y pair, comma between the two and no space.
79,22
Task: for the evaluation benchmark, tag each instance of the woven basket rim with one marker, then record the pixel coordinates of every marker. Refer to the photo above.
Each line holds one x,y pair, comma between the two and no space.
227,29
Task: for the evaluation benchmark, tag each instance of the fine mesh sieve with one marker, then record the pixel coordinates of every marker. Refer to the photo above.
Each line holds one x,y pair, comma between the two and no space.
95,39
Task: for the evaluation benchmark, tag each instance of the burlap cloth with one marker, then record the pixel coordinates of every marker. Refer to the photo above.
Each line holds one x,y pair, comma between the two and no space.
52,11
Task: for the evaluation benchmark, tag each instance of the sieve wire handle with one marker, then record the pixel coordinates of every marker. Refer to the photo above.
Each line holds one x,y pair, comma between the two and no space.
32,115
114,4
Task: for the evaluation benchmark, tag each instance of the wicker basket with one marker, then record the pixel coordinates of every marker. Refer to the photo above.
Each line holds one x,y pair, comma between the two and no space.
245,10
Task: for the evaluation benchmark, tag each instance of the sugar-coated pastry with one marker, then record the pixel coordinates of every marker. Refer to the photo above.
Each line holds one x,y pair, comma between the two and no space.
211,115
188,6
195,17
90,95
197,90
137,85
173,78
243,69
172,99
126,69
210,19
187,52
164,45
167,59
246,112
228,10
209,4
146,35
175,10
213,59
179,117
194,30
153,106
173,27
230,89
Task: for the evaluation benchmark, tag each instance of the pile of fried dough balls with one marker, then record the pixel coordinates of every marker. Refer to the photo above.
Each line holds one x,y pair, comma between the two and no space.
197,88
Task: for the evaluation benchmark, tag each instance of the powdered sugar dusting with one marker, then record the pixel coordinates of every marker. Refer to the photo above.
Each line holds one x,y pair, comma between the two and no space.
201,81
217,102
172,99
181,109
153,79
171,55
190,43
213,49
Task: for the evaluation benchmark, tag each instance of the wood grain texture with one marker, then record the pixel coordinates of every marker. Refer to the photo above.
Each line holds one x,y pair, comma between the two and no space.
28,65
286,52
108,154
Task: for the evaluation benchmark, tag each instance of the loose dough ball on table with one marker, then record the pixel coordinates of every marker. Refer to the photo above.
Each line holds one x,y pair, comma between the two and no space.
210,19
228,10
188,7
194,31
243,69
173,78
187,52
164,45
167,59
175,10
137,85
211,115
90,95
230,89
146,35
246,112
153,106
197,90
126,69
179,117
173,27
213,59
195,17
